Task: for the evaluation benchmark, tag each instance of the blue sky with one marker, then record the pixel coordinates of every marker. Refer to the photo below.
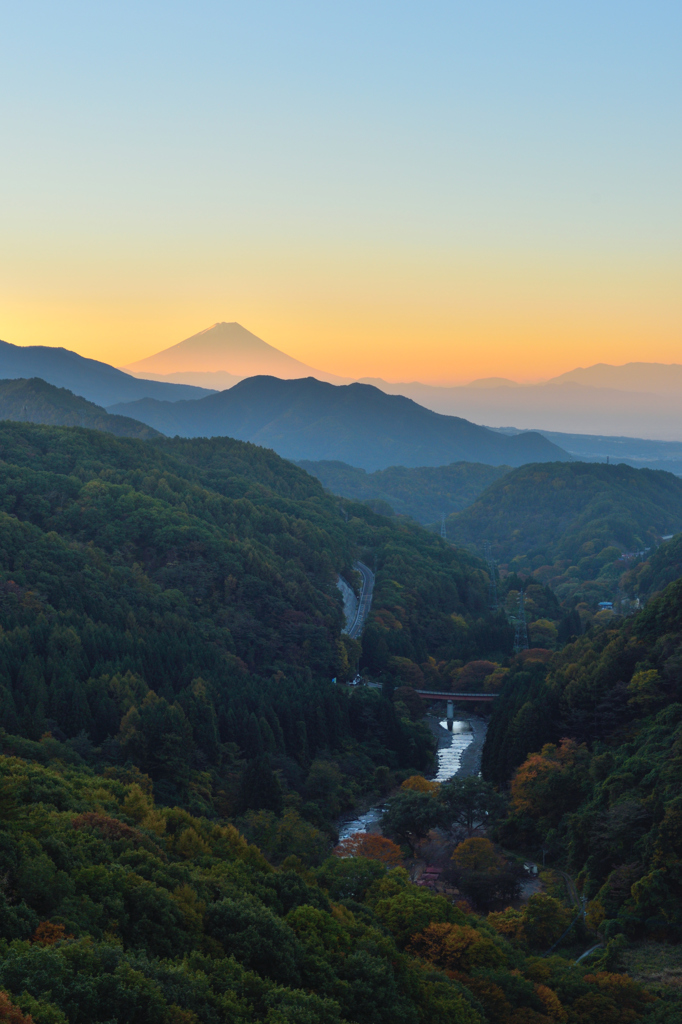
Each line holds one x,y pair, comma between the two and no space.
343,176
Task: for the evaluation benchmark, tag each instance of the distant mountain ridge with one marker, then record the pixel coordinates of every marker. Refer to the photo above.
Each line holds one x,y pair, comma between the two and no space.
227,348
354,423
230,350
35,401
655,378
96,381
561,406
424,493
598,400
637,452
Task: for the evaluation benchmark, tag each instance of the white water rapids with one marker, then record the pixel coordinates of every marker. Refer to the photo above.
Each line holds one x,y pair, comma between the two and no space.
449,761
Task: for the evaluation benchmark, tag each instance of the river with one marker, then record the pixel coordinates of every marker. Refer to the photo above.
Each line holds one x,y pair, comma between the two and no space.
459,753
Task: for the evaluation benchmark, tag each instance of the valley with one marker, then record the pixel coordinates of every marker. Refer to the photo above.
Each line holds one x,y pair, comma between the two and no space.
340,514
175,661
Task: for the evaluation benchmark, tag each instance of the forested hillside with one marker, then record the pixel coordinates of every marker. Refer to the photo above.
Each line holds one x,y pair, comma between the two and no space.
592,745
424,493
653,574
34,401
573,527
170,626
543,514
115,910
174,605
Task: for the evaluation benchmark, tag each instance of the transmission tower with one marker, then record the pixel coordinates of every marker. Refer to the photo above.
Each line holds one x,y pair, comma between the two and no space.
442,525
521,637
492,589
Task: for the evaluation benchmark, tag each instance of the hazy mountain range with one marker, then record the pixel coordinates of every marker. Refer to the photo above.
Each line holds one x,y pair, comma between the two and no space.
574,411
636,399
96,381
658,378
637,452
564,406
354,423
424,493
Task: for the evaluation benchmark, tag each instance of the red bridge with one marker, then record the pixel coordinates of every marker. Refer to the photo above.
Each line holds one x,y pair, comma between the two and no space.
477,698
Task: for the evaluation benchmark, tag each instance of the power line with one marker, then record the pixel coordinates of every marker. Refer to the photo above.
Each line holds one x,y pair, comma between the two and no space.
442,525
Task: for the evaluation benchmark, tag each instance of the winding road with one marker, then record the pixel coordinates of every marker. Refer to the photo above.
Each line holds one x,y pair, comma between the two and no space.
365,602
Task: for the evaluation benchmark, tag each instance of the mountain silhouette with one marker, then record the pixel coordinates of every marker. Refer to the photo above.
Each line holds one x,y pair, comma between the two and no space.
227,348
98,382
353,423
656,378
639,399
35,401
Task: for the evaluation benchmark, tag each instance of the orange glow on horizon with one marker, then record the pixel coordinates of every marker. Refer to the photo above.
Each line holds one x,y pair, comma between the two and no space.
442,195
447,322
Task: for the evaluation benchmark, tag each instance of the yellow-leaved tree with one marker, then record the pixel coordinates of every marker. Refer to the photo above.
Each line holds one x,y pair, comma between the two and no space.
419,784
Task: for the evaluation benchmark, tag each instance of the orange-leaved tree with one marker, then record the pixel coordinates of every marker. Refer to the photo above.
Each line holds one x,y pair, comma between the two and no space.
371,846
550,783
456,947
47,933
11,1013
508,922
420,785
550,1001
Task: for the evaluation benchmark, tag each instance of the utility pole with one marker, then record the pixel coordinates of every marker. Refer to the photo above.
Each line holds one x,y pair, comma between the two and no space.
492,589
442,525
521,637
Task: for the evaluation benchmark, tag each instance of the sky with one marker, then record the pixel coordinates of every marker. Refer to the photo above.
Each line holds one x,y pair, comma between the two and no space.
433,191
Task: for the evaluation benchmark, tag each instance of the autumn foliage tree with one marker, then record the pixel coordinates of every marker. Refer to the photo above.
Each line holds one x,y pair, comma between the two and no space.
456,947
477,854
630,997
551,783
47,933
419,784
371,846
12,1014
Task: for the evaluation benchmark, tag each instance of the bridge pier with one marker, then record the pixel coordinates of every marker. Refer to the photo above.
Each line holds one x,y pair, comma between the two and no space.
450,714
